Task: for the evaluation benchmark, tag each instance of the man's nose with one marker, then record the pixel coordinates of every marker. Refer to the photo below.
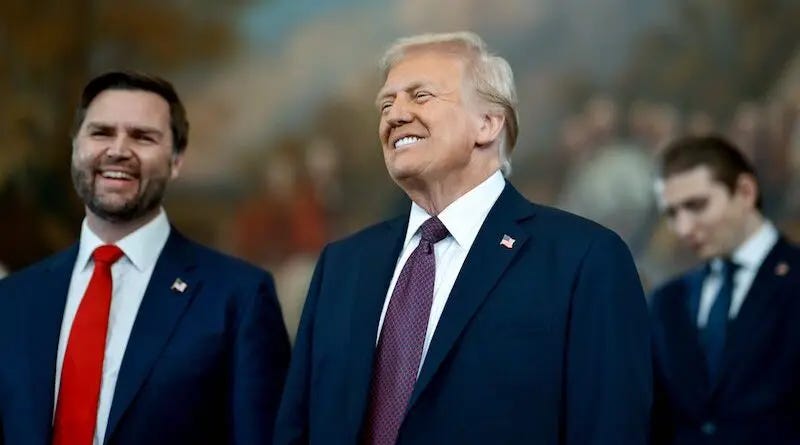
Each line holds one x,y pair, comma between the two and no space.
683,224
119,147
399,113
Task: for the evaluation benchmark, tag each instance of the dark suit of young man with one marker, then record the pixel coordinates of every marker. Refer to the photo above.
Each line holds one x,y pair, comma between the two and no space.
726,343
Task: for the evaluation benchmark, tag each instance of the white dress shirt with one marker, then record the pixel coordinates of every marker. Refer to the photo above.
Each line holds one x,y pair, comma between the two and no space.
463,219
130,275
749,257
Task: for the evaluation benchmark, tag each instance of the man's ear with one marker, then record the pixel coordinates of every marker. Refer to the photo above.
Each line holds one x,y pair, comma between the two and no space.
490,127
747,188
177,163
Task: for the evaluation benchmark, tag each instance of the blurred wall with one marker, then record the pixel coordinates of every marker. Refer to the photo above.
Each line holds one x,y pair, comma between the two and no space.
283,152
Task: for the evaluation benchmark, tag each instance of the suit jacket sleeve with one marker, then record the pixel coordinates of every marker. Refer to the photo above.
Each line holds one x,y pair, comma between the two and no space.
292,424
609,369
260,357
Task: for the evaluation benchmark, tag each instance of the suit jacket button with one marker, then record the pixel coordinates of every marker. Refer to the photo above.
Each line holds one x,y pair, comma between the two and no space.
708,428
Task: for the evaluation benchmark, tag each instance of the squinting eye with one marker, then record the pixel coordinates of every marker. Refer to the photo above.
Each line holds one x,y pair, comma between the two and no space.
421,95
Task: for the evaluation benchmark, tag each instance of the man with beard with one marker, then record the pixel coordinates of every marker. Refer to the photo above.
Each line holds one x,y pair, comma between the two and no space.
477,317
136,334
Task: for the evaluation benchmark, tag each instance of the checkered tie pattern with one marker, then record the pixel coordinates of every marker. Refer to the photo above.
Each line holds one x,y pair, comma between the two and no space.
402,338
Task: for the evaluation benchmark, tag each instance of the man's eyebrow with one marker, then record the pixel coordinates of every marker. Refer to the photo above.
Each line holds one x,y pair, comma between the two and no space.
98,126
144,130
686,202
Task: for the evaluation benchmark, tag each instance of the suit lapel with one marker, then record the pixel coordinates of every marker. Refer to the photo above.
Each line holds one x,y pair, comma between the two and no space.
744,330
486,262
377,262
44,329
159,313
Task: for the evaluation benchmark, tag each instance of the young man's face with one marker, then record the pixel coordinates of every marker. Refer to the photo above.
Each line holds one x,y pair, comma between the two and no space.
704,214
122,156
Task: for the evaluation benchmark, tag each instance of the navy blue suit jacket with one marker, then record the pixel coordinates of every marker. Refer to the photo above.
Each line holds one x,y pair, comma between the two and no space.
756,398
545,343
203,366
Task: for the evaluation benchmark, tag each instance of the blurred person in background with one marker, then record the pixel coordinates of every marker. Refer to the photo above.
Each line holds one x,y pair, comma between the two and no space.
726,342
612,185
283,217
136,334
477,317
284,223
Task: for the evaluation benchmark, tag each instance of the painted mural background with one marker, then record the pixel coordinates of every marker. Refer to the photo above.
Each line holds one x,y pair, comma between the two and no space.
283,152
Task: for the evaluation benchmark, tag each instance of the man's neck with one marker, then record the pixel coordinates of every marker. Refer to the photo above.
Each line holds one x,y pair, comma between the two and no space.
112,231
436,196
751,226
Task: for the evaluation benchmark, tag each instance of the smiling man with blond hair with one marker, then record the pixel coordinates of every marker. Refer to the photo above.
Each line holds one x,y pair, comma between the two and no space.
477,317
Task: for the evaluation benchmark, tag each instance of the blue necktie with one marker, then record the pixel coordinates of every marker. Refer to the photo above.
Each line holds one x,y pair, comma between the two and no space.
717,325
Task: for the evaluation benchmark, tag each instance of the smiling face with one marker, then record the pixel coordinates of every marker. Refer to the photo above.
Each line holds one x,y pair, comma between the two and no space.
705,215
122,157
431,122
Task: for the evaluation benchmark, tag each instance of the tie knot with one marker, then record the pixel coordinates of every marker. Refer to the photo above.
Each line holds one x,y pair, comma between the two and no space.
107,254
433,230
729,267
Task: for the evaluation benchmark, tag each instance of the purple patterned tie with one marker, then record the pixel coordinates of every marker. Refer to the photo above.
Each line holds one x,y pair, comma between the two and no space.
402,337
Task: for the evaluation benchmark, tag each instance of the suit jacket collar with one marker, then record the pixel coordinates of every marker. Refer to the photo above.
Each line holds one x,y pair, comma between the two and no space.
743,331
484,266
43,316
686,360
376,261
159,314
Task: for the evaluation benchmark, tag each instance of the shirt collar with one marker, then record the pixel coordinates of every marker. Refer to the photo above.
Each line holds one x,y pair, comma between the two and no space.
464,216
141,248
750,254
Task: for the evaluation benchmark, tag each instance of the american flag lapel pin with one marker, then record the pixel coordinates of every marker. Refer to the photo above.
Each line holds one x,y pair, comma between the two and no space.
507,242
782,269
179,285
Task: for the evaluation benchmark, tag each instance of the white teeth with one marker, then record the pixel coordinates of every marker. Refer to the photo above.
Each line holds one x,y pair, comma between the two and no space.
406,141
116,175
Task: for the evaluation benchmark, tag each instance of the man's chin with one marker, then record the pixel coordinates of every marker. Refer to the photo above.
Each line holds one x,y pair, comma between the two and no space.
402,173
705,253
117,212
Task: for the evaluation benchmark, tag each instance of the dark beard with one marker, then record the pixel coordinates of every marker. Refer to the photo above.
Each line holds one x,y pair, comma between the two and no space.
145,202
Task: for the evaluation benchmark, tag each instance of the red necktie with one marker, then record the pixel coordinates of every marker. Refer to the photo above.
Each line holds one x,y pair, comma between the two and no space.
82,369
